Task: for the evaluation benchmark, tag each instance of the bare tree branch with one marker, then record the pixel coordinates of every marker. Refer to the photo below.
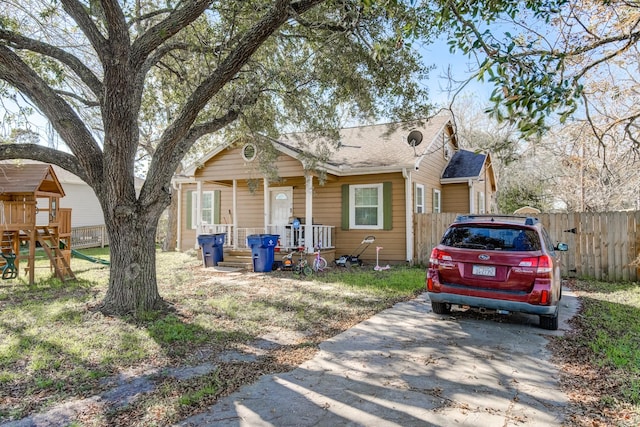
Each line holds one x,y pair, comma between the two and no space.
79,14
163,31
116,25
62,117
86,75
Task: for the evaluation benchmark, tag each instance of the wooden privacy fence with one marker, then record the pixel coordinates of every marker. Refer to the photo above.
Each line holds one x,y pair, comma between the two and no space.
604,245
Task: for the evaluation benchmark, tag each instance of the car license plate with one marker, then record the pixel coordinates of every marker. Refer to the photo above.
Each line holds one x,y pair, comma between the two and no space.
484,270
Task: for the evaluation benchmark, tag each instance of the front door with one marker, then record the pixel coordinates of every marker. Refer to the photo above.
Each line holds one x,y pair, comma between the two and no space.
281,205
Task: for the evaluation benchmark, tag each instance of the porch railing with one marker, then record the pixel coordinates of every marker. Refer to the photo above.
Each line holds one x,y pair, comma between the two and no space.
217,229
92,236
320,235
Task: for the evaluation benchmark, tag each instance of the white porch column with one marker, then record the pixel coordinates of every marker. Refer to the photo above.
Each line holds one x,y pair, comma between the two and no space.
179,220
408,210
308,222
234,215
198,210
266,204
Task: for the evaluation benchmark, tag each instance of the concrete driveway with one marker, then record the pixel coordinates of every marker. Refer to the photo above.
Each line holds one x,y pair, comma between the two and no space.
408,366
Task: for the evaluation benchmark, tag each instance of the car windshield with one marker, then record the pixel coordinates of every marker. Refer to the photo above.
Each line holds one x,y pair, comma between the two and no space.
492,238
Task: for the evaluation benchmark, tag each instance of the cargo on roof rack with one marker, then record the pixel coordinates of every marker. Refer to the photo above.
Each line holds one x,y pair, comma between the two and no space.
527,220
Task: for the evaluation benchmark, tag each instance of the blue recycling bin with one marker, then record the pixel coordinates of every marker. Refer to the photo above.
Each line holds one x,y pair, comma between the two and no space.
212,248
262,250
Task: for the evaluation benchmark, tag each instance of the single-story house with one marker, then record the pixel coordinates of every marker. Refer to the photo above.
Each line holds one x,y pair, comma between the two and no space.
371,183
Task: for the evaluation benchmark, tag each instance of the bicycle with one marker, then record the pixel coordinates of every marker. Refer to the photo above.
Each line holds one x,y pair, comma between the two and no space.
301,266
319,263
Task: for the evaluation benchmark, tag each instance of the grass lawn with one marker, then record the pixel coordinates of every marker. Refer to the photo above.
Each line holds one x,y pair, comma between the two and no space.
600,358
54,347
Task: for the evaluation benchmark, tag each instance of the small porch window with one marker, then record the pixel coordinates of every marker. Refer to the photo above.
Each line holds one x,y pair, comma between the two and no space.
209,208
419,198
436,201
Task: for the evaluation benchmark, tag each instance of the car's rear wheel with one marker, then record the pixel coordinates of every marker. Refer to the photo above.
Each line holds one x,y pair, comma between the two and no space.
549,322
441,307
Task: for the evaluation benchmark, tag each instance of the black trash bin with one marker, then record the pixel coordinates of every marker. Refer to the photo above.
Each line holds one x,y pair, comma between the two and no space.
212,248
262,250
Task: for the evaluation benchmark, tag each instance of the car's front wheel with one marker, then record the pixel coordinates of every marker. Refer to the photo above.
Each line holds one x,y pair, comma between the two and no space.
441,307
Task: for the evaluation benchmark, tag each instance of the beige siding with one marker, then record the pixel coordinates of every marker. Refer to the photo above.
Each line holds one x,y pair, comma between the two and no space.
230,164
455,198
430,169
187,235
328,210
486,187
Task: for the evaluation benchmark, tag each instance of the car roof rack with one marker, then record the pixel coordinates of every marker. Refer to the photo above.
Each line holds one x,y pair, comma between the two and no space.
528,220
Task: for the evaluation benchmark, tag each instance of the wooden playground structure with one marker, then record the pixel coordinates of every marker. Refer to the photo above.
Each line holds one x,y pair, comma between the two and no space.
30,217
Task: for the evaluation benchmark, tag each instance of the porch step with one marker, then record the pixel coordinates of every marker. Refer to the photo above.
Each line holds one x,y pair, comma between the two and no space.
237,258
236,264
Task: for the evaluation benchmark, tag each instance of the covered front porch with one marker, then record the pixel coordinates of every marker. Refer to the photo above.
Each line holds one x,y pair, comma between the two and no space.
239,208
291,237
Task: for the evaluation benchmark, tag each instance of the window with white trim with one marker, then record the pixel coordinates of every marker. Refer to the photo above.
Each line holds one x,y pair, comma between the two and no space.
419,198
206,208
437,197
365,206
481,208
249,152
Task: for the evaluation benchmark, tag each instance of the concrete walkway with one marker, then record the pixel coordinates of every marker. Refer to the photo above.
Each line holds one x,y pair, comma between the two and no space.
408,366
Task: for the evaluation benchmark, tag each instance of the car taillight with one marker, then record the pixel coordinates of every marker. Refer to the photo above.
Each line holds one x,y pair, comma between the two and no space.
544,297
542,264
438,255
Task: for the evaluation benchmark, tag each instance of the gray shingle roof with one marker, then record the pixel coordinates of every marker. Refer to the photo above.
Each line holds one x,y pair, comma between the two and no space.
464,164
374,146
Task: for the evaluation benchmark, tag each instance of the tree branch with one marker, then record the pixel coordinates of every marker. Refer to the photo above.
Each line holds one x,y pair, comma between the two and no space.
77,11
116,24
139,19
156,175
166,29
212,126
87,76
43,154
247,45
62,117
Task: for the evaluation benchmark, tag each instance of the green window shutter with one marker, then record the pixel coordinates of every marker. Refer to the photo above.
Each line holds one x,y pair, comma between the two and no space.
345,206
189,209
387,206
216,207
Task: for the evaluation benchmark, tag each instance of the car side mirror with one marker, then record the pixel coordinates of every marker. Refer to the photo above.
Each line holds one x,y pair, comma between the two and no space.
562,247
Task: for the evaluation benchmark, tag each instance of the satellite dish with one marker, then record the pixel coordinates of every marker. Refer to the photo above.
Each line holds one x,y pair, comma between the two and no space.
415,138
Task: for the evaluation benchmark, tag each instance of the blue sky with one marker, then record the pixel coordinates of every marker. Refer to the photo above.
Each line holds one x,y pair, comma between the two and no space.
458,65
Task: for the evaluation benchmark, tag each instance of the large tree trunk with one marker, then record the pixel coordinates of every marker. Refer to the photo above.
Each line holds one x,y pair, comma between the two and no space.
133,287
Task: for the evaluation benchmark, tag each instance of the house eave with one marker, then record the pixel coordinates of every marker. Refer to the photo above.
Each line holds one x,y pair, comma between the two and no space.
459,180
350,171
191,170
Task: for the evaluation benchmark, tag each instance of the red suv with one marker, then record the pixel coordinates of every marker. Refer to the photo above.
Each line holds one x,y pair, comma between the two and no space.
498,263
